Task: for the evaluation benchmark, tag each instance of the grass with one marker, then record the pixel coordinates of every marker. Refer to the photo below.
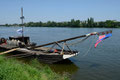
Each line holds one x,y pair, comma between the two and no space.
10,69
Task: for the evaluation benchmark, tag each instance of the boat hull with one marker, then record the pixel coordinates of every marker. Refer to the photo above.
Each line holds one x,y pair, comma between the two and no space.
42,57
50,58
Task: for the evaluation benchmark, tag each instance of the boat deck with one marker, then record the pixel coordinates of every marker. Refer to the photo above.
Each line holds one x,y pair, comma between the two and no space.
36,51
7,46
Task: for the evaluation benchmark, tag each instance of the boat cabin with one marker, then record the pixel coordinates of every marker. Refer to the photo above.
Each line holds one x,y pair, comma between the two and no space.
24,39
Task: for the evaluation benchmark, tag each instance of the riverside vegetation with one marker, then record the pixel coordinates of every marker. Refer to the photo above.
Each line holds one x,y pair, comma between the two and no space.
10,69
89,23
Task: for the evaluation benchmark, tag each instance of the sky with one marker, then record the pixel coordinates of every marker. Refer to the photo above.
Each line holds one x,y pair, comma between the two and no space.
58,10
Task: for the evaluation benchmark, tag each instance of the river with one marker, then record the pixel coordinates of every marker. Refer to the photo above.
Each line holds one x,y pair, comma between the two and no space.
101,63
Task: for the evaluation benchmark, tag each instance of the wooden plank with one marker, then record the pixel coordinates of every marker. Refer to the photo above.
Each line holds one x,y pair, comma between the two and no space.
9,51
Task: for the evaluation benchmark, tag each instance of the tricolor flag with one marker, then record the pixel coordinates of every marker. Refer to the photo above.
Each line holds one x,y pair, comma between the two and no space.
20,31
102,37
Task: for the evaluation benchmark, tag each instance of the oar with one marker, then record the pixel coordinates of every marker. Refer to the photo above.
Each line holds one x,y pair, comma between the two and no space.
11,50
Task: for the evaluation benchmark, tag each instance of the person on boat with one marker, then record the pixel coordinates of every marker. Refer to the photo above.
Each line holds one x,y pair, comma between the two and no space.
2,41
55,50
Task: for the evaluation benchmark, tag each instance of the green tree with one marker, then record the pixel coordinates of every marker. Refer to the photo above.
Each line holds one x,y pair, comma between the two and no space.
90,22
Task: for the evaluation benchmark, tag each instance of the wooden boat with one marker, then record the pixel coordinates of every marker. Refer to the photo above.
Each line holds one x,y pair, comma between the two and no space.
22,44
46,54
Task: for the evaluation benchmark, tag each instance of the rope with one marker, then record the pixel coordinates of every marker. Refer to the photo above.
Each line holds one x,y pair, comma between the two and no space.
86,53
81,40
87,50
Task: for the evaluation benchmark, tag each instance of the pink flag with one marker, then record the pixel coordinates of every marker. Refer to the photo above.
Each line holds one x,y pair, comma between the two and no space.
99,40
102,37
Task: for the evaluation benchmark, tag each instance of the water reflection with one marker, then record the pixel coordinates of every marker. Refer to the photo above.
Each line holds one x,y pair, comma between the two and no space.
64,66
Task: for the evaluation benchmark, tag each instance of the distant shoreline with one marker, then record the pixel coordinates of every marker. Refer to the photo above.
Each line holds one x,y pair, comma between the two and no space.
89,23
59,27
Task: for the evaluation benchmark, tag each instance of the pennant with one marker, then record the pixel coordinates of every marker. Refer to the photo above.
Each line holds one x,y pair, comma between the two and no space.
102,37
20,31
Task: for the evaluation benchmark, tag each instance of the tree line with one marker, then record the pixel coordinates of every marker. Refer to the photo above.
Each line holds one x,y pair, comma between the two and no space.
89,23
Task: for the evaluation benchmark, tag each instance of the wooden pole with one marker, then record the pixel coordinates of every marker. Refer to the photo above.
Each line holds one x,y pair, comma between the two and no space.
62,49
11,50
68,47
61,41
22,17
93,33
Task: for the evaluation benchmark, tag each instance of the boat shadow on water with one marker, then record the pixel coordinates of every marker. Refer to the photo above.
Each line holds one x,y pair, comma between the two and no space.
64,66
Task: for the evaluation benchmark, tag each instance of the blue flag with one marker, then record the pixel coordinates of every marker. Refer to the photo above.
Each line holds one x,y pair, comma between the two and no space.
102,37
20,31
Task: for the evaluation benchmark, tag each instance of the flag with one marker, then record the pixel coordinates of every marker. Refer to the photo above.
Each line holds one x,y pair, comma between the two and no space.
20,31
102,37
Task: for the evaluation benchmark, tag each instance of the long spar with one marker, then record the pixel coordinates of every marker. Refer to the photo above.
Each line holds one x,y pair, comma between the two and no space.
93,33
61,41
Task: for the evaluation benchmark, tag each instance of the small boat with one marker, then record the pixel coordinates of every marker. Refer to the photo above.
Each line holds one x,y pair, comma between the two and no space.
24,48
45,54
22,44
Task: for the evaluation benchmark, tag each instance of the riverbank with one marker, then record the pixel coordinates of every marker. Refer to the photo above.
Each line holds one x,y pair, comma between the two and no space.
10,69
89,23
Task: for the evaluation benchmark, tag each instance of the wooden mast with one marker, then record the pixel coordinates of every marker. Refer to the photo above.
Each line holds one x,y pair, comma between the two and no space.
22,17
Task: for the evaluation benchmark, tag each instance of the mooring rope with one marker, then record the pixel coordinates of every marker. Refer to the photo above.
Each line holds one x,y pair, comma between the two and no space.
86,53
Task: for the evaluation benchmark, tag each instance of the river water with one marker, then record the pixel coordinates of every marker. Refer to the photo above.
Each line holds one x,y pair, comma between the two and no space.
101,63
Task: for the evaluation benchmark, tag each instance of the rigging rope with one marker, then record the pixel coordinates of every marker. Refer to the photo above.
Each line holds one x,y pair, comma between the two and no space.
89,47
81,40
